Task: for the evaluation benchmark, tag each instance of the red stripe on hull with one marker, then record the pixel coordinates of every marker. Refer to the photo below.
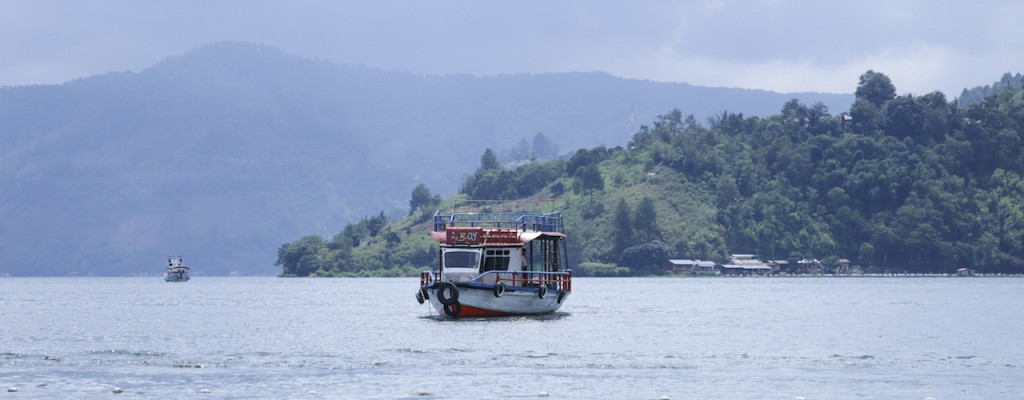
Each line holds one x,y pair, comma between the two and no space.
473,312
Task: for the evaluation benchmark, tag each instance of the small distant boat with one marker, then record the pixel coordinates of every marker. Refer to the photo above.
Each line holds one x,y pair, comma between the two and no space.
176,270
497,264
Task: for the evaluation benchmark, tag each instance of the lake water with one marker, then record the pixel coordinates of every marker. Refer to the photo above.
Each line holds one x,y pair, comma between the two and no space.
650,338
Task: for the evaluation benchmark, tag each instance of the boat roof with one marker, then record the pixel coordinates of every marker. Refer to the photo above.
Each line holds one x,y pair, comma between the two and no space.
492,229
540,222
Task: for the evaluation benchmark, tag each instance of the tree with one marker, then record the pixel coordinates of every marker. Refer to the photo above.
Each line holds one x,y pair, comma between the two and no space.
646,258
420,198
794,111
904,117
818,118
645,220
726,191
496,184
588,178
489,161
376,224
584,157
876,88
937,115
543,148
866,116
521,151
920,231
301,257
1008,219
392,238
531,178
355,233
623,229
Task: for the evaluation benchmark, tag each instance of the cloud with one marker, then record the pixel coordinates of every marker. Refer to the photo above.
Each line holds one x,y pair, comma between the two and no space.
781,45
793,46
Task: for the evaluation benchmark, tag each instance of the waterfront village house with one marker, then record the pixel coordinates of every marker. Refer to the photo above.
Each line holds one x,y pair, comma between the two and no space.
806,266
843,267
779,265
694,267
745,264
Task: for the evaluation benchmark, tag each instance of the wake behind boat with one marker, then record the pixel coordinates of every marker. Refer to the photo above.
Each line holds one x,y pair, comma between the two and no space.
176,270
497,264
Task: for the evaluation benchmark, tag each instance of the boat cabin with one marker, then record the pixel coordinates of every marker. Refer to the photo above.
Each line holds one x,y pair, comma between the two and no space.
485,249
462,264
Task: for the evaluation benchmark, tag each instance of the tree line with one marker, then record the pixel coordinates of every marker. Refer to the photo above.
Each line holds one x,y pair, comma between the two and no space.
896,183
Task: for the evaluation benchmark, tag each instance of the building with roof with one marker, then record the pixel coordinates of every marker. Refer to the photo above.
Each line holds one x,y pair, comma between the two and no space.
745,264
692,267
808,266
843,267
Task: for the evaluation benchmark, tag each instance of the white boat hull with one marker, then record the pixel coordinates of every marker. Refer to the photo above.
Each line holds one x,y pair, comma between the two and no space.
480,301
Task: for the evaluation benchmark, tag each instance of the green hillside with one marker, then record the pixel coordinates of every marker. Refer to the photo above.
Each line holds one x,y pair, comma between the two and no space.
896,184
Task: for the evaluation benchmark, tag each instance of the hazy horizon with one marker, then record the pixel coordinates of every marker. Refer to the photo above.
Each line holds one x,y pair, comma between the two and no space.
782,46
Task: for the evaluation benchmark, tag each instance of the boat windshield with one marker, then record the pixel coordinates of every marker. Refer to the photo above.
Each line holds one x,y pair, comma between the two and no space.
461,259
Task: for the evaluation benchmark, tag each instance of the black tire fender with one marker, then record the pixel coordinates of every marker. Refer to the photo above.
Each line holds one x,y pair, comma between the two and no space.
452,295
419,297
499,289
542,291
453,310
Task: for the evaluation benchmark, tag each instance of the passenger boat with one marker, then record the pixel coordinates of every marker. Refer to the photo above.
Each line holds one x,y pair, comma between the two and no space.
497,264
176,270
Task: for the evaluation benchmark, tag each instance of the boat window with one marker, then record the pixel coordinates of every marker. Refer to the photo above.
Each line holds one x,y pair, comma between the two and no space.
461,259
496,260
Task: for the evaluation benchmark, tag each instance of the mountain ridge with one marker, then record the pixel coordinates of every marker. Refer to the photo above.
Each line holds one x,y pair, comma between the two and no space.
226,151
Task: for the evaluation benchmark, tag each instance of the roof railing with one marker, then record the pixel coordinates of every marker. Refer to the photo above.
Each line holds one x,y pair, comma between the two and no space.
548,222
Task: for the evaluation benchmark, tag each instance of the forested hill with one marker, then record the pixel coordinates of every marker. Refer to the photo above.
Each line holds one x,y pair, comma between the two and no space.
896,184
223,153
1011,84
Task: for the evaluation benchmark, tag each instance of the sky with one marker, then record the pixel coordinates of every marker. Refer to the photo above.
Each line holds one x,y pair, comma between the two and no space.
777,45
